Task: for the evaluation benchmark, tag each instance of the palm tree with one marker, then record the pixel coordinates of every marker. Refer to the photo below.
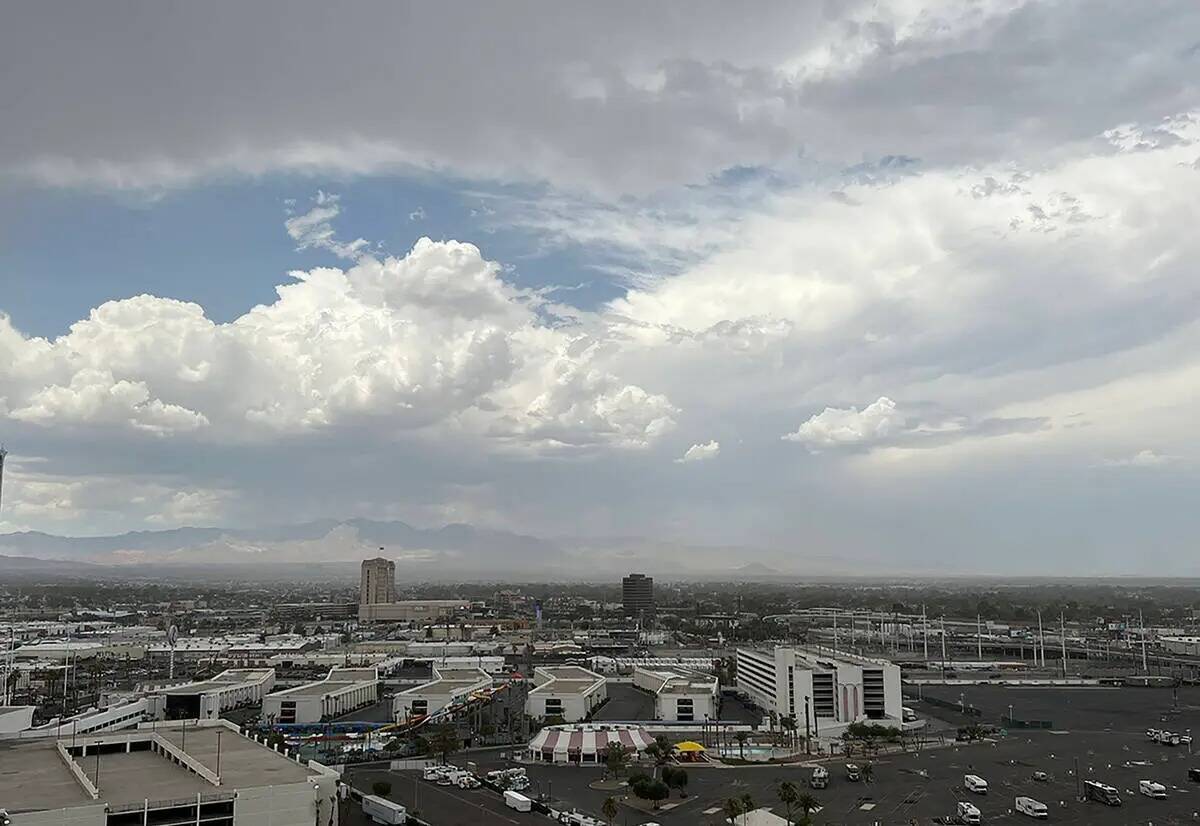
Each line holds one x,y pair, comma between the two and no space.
747,802
733,809
609,809
741,737
788,795
808,804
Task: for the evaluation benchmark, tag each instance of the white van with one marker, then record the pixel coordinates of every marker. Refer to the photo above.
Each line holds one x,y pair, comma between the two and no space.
968,813
1033,808
432,772
975,783
1152,789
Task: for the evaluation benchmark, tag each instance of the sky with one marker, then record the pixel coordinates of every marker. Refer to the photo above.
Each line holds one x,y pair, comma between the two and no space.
910,285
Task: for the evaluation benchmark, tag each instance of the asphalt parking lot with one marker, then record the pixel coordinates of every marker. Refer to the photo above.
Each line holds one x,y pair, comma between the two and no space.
1078,709
439,805
928,784
626,703
1100,730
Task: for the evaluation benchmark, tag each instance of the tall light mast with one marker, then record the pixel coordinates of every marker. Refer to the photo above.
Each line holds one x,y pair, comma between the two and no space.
3,453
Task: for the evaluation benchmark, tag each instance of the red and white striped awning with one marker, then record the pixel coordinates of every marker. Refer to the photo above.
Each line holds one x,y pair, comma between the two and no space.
572,740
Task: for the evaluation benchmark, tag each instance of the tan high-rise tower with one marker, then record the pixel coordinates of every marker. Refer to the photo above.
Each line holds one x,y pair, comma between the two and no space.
378,584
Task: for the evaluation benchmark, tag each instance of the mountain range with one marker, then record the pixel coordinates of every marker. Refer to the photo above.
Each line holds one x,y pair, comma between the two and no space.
330,548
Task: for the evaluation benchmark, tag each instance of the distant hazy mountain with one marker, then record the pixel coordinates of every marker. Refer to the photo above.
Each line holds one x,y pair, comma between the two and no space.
331,548
322,540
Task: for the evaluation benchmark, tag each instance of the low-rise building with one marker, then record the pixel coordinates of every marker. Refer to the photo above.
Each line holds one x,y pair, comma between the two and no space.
836,688
679,696
446,688
565,692
208,773
205,700
343,690
412,610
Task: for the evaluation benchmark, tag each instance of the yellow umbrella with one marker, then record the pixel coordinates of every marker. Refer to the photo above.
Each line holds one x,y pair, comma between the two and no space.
689,746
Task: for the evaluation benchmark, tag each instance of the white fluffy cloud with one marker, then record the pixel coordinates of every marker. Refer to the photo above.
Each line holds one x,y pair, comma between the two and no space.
435,338
314,229
836,427
700,452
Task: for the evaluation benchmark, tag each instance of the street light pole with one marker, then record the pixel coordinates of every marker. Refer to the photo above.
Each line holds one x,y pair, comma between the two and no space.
807,734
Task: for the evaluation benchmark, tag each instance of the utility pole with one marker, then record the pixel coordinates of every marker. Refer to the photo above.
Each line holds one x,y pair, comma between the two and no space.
1041,640
979,636
1142,622
925,627
1062,634
835,640
943,642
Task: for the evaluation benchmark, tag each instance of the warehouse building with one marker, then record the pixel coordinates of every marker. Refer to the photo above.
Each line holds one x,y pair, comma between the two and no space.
343,690
208,774
679,696
205,700
565,692
445,689
1181,645
835,687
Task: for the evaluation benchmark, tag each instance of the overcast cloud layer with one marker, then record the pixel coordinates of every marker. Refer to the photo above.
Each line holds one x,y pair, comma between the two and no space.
907,283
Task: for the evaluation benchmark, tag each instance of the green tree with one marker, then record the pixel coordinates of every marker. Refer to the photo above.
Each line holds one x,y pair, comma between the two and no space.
676,779
381,788
653,790
615,759
444,741
733,809
660,752
742,737
747,802
808,804
788,795
609,809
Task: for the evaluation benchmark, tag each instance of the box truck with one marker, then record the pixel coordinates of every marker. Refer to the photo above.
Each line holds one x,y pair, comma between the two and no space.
518,801
381,810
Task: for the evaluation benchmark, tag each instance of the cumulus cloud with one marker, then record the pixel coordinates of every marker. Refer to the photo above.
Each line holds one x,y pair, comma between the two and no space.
700,452
435,338
837,427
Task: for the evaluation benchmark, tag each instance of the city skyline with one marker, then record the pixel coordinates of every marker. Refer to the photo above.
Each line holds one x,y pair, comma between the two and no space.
904,287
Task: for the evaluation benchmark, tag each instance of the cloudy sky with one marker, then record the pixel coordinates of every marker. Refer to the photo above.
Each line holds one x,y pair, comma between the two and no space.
908,283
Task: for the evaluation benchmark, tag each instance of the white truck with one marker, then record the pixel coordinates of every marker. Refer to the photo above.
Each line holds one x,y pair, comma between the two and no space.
975,783
518,801
381,810
1032,808
1151,789
968,813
